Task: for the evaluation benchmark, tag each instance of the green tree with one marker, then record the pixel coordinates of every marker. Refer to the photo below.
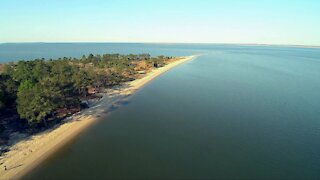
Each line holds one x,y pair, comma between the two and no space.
40,70
36,102
8,90
81,81
1,99
23,71
9,69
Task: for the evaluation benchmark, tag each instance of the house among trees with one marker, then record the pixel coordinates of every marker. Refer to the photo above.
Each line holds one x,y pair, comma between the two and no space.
93,90
142,72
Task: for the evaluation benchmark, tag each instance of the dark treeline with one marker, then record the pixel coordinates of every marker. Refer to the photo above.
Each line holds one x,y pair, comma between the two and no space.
40,91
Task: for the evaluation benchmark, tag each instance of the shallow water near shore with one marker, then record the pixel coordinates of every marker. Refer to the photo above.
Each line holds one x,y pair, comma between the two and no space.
234,112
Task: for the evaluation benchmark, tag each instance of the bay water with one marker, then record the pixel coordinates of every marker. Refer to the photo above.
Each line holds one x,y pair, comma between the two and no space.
233,112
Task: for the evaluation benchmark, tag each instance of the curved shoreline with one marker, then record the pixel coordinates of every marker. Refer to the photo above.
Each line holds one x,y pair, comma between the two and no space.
29,153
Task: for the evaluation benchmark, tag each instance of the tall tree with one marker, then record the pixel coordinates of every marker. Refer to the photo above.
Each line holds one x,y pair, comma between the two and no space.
36,102
8,90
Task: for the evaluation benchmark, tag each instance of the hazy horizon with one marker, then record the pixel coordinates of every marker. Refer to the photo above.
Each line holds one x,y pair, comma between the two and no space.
164,43
228,22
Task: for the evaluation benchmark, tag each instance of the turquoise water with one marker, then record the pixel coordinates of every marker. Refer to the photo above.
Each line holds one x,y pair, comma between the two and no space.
234,112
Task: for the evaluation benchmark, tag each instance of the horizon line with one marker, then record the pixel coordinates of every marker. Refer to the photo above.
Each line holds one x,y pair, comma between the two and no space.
123,42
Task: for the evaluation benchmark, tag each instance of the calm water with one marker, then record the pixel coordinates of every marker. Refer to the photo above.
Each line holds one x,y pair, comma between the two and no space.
234,112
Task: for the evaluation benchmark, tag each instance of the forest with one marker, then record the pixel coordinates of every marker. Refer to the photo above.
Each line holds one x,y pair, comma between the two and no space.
37,94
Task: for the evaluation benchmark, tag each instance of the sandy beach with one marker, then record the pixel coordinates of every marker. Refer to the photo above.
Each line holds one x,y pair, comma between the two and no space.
31,151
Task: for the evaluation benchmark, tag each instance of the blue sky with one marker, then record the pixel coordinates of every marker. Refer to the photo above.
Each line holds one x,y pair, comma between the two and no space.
188,21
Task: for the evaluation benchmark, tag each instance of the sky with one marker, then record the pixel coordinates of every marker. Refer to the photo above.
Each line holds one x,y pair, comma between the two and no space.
295,22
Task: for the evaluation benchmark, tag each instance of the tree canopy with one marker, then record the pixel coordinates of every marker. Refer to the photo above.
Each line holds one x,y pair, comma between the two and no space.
40,88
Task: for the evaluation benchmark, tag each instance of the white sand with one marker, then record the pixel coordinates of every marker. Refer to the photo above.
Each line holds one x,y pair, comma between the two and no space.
30,152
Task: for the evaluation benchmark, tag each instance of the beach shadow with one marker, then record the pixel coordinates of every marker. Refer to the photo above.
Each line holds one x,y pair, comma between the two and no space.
125,102
8,169
112,100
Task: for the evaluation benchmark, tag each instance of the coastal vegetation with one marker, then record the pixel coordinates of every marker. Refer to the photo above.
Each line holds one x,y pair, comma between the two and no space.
37,94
